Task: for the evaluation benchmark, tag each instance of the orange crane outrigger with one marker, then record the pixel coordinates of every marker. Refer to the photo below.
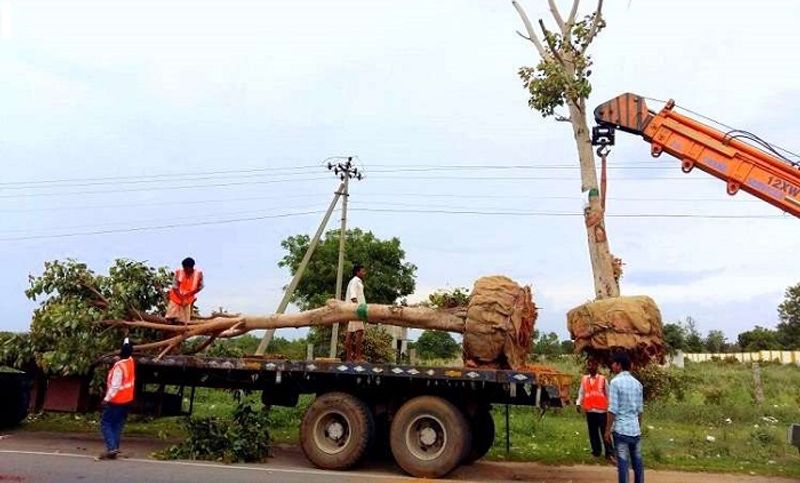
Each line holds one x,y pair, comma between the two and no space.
771,177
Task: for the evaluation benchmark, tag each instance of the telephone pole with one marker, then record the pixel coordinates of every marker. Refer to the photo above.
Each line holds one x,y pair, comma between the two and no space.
345,171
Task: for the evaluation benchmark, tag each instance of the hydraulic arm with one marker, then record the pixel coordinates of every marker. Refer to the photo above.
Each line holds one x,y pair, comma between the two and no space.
741,165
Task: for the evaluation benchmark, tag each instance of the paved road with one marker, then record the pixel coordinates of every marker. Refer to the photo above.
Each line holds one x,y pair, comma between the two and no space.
45,457
22,466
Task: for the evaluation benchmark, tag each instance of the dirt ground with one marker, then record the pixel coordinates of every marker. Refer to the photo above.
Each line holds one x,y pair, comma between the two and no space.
291,457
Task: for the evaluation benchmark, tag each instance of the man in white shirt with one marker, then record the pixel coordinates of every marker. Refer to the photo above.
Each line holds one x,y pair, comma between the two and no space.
354,339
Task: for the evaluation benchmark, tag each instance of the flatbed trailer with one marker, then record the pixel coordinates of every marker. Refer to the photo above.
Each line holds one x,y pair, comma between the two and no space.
431,418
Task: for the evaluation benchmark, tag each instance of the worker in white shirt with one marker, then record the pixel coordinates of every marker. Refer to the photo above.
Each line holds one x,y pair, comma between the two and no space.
354,339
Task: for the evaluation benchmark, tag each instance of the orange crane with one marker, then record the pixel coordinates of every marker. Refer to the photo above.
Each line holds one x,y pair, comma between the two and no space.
765,174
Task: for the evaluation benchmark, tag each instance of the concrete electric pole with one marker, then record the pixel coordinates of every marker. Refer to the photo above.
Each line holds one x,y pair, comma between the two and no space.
287,296
345,171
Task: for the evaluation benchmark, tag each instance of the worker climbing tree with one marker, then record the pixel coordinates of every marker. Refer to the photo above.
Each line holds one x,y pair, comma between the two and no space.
561,79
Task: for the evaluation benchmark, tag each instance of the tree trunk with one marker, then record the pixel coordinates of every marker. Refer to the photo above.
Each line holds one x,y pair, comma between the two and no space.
605,284
332,313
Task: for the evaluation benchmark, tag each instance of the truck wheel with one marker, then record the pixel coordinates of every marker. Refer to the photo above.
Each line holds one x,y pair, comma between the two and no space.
336,431
482,435
429,437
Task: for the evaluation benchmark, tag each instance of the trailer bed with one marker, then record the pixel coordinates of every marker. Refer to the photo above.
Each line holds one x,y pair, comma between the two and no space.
283,379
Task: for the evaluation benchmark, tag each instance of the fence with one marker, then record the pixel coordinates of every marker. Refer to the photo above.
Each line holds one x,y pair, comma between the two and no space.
784,357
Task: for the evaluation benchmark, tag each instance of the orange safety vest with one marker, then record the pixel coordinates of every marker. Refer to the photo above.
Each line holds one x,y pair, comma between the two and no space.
594,394
125,393
185,285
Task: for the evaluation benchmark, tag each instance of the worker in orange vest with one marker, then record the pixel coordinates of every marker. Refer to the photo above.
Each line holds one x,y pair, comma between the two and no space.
117,401
593,400
187,283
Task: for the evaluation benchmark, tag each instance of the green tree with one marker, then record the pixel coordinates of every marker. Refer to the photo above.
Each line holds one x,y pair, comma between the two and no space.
389,276
435,344
66,335
715,341
694,341
788,330
759,339
567,347
546,344
561,80
675,337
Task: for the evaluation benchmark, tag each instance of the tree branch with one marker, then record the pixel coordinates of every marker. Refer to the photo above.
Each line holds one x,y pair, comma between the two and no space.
598,18
557,15
205,343
549,40
529,28
572,14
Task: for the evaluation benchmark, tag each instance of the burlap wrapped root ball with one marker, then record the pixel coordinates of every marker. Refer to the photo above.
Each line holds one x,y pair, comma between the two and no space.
500,319
629,323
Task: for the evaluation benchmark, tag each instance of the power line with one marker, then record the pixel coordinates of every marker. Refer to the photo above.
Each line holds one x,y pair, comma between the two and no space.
570,214
162,175
202,216
510,167
158,227
388,194
163,203
162,188
286,171
389,210
186,178
531,178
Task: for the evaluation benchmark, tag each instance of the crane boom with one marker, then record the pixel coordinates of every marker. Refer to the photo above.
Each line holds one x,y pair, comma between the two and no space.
720,154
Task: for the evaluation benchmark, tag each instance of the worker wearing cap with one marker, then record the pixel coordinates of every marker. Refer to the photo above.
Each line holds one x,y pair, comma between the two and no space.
187,283
119,396
593,400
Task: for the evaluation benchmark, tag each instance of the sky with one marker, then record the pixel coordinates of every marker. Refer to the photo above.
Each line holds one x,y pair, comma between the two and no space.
202,113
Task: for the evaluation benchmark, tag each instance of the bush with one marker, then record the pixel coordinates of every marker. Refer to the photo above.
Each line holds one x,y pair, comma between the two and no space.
378,345
660,383
245,438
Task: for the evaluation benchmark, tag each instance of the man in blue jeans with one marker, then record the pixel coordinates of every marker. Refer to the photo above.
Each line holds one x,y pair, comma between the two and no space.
119,396
625,419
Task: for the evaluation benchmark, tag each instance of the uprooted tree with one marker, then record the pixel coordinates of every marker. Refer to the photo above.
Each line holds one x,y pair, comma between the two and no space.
83,315
561,79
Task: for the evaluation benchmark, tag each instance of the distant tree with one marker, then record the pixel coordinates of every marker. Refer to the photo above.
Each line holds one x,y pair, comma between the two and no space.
788,330
758,339
675,337
389,276
694,342
715,341
546,344
435,344
567,346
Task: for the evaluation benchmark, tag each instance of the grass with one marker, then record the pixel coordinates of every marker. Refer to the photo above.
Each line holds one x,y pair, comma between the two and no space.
718,402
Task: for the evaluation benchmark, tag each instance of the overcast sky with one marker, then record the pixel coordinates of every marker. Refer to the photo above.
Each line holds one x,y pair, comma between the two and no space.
193,112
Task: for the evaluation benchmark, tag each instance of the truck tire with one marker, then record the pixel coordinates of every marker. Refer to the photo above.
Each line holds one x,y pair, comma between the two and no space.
336,431
429,437
16,398
482,435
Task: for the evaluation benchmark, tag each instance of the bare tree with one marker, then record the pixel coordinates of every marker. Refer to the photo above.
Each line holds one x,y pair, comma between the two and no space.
561,79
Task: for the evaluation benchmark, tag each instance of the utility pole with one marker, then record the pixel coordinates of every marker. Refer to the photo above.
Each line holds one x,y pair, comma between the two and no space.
345,171
287,295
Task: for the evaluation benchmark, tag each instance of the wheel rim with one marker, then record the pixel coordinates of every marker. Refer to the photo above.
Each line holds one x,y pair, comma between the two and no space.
332,432
426,437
